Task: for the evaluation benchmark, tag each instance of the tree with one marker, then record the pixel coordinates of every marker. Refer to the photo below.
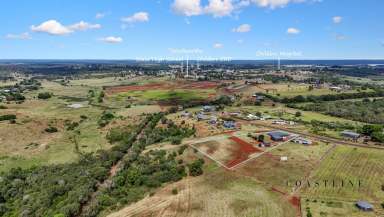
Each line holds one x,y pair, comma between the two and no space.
261,138
44,95
298,114
196,168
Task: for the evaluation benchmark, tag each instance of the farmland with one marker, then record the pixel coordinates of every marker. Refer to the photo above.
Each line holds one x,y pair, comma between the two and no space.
350,164
203,165
216,193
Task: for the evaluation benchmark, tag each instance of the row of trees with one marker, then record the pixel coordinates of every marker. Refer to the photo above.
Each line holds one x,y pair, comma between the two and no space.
326,97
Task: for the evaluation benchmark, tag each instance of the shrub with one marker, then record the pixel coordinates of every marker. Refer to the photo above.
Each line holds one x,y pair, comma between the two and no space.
7,117
51,129
44,95
196,168
175,191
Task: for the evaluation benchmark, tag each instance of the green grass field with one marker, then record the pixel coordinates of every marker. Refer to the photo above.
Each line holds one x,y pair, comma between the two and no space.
292,90
350,164
166,95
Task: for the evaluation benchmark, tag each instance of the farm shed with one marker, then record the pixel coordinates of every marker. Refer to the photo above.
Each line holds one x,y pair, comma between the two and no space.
350,135
364,205
278,135
229,124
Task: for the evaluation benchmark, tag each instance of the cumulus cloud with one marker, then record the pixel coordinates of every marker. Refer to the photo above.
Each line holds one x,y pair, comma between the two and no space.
337,19
112,39
218,45
216,8
138,17
83,26
187,7
22,36
54,27
242,28
219,8
293,31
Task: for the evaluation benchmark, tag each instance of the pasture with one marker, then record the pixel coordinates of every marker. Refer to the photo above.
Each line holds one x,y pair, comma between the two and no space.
216,193
294,89
350,164
273,172
163,92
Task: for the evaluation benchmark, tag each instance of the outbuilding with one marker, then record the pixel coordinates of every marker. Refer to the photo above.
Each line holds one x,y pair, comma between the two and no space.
364,205
278,135
350,135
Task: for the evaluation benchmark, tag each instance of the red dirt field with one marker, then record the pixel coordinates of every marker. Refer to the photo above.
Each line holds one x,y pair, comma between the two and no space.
242,153
296,202
163,86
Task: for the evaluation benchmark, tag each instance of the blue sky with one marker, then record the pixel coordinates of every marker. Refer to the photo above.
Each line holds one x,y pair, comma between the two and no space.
199,29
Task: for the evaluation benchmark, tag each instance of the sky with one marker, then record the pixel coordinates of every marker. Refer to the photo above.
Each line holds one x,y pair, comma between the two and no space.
191,29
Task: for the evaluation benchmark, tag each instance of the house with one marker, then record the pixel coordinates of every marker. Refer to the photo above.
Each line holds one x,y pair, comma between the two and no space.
265,117
201,117
258,97
364,206
208,108
213,120
229,124
279,135
350,135
335,88
253,117
283,158
186,114
279,122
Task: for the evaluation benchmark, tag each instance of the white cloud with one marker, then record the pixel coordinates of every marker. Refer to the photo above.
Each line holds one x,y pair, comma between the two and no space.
216,8
83,26
22,36
112,39
242,28
337,19
218,45
293,31
272,4
138,17
52,27
219,8
240,41
187,7
100,15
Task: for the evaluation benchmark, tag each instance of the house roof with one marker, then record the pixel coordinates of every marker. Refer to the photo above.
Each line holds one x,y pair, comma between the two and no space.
277,134
364,204
350,133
